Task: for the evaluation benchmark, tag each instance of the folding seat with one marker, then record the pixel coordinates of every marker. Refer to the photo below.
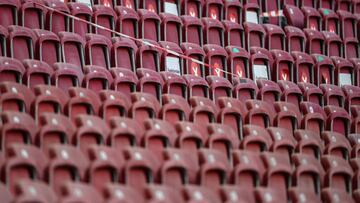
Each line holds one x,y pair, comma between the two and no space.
15,97
333,44
283,141
248,169
149,25
324,69
333,95
192,30
144,105
291,93
20,37
9,13
355,164
192,8
328,4
311,93
54,129
303,65
47,46
238,62
294,15
203,110
234,34
197,86
338,120
123,53
114,104
83,12
213,31
330,21
347,24
171,28
82,102
344,71
332,195
214,168
260,113
233,11
141,167
351,48
352,96
275,37
56,22
194,193
69,192
287,116
97,50
312,18
338,173
232,194
37,72
148,56
105,17
213,9
96,78
297,195
66,75
356,63
231,113
174,84
336,144
196,53
174,108
106,166
31,15
189,136
119,192
127,21
252,141
245,89
171,62
72,46
260,62
219,87
282,66
108,3
216,56
308,173
309,143
254,35
11,70
67,164
315,42
149,82
23,162
27,190
314,117
171,7
269,91
278,173
354,140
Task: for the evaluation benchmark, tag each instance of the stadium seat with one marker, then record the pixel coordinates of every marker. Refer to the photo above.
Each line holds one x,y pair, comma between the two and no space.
216,56
315,43
149,82
254,35
144,105
66,75
309,143
192,30
291,93
245,89
174,108
15,97
260,113
9,13
149,25
336,144
303,65
233,11
123,53
96,78
20,37
195,52
333,195
148,56
47,46
275,37
189,136
171,62
125,132
56,22
282,68
174,84
234,34
324,69
312,18
213,31
238,62
72,46
330,20
252,142
127,21
311,93
269,91
298,195
27,190
213,9
70,191
97,50
344,71
81,11
118,192
313,117
338,120
197,86
105,17
171,28
31,15
333,44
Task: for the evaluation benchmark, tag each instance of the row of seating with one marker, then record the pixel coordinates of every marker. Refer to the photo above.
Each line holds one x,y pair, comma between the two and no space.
138,167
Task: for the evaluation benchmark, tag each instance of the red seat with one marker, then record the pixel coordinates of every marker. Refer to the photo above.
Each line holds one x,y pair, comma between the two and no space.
11,70
118,192
329,4
315,43
336,144
171,28
81,11
37,72
347,24
291,93
15,97
149,25
233,11
197,86
270,6
123,53
245,89
213,9
189,136
195,52
309,143
47,46
298,195
351,48
171,62
23,38
252,141
269,91
312,18
148,56
356,63
313,117
174,108
352,96
303,65
344,71
275,37
27,190
144,106
330,20
324,69
235,194
196,193
288,116
219,87
282,68
333,44
238,62
338,120
149,82
213,31
56,22
159,134
69,192
261,63
54,129
3,36
355,164
354,111
333,95
113,104
174,84
96,78
216,56
283,141
105,17
333,195
308,170
203,111
192,30
234,34
97,50
9,13
162,193
311,93
294,15
66,75
192,8
260,113
67,164
254,35
127,21
72,46
150,5
31,15
338,173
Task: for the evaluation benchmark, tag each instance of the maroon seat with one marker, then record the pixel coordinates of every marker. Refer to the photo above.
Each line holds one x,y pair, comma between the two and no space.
291,93
312,18
252,142
27,190
171,62
171,28
311,93
309,143
288,116
233,11
31,15
174,108
125,132
9,13
195,52
333,44
347,24
114,104
213,9
275,37
149,82
261,62
72,46
47,46
315,43
123,53
332,195
149,25
216,56
336,144
127,21
11,70
118,192
213,31
56,22
219,87
192,8
260,113
294,15
81,11
97,50
105,17
254,35
338,120
189,136
15,97
148,56
269,91
303,64
313,117
324,69
192,30
234,34
299,194
333,95
23,38
144,105
69,193
282,68
163,193
245,89
174,84
238,62
97,78
66,75
330,20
